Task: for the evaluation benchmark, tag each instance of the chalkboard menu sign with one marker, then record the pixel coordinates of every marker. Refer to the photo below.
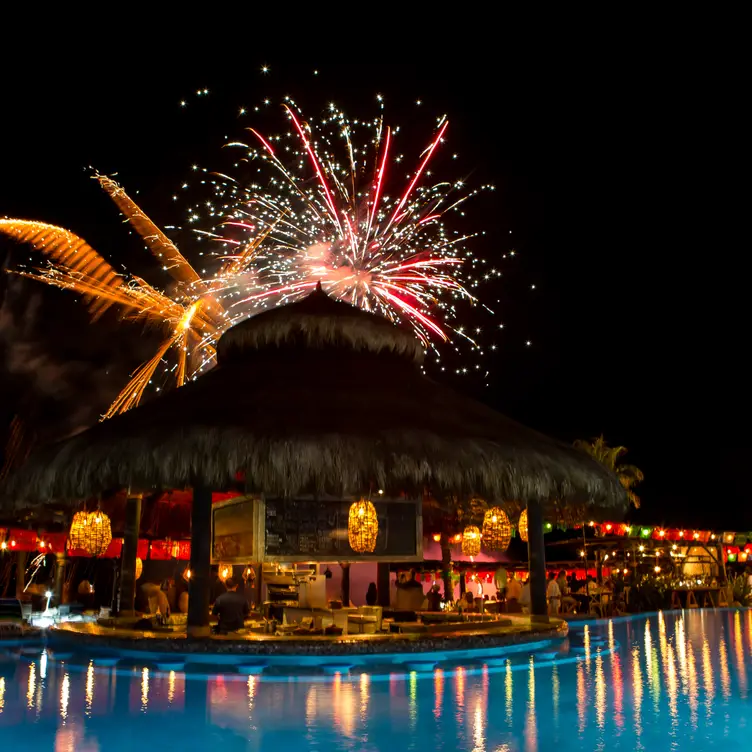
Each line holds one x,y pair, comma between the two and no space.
233,530
317,530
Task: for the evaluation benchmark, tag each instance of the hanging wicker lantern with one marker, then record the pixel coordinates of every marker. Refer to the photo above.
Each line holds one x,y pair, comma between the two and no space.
471,541
522,525
362,527
139,568
90,532
497,530
224,570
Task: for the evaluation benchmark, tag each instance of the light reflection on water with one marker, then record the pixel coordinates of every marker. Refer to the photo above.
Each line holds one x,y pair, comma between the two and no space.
677,680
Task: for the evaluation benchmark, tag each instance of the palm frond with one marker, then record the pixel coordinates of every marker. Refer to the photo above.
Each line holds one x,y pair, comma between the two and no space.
67,250
628,475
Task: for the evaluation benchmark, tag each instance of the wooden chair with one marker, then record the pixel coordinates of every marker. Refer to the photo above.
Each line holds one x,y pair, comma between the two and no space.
568,606
691,600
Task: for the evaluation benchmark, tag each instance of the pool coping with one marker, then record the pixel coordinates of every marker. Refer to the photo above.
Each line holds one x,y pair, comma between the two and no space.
522,631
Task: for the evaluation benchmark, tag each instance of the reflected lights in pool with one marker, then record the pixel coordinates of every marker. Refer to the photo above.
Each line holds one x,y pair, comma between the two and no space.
600,692
531,725
741,669
509,686
555,692
31,685
2,693
438,690
637,691
64,697
582,700
144,689
365,688
89,688
725,675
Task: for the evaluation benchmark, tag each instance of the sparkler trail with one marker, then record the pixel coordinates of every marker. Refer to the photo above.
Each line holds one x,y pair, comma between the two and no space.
318,209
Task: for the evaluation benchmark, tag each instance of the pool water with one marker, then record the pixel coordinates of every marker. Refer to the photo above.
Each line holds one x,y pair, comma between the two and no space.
672,680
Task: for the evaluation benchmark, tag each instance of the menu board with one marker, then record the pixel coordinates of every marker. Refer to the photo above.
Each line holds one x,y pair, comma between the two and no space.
317,530
232,530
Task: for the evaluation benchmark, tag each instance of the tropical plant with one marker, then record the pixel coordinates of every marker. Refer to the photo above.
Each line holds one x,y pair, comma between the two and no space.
629,475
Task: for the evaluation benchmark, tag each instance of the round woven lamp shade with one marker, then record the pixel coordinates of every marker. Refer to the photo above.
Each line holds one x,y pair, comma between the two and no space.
90,532
224,570
362,527
497,530
471,541
522,525
139,568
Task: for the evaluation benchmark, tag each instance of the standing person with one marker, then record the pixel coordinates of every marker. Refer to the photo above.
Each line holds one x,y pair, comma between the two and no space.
231,607
500,580
434,599
553,593
371,595
525,596
514,592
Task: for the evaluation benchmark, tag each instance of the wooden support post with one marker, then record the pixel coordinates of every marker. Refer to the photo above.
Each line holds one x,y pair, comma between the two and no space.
200,583
59,577
345,583
128,558
383,595
599,567
21,558
536,553
446,566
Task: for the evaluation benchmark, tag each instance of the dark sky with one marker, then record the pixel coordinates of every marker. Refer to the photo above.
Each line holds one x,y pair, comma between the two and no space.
593,179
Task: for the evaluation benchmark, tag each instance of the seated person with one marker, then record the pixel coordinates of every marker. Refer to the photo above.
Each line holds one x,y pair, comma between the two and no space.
231,607
468,603
514,592
553,594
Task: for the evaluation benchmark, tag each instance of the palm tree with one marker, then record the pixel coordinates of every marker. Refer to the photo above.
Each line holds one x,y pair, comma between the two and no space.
629,475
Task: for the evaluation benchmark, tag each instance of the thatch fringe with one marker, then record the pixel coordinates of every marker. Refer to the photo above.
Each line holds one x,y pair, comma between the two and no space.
333,464
319,321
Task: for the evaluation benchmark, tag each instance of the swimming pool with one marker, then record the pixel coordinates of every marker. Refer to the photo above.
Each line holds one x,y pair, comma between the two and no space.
672,680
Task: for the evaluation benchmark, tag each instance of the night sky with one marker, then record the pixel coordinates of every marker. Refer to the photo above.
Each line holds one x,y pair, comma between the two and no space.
591,179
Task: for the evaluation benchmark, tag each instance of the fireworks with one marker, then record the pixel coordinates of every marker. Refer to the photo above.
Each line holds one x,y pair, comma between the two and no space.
319,209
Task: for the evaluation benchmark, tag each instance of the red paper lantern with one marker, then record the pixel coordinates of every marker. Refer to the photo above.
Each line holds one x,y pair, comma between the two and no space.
21,540
181,550
160,550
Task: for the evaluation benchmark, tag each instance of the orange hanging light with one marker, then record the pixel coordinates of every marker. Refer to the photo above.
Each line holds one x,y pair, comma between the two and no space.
497,530
90,532
362,527
471,541
522,525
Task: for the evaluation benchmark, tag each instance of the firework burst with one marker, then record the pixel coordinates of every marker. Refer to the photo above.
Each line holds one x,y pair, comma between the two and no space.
319,209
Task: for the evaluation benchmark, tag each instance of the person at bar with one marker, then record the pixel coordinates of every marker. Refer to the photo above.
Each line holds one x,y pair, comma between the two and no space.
231,608
514,592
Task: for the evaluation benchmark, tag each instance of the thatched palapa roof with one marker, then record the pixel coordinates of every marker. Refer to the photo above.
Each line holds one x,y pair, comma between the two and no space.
317,397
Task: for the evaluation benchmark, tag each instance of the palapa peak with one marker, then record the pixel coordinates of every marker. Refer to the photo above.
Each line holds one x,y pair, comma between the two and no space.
318,321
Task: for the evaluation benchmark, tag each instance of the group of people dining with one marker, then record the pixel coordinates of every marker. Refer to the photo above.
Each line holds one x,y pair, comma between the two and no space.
563,594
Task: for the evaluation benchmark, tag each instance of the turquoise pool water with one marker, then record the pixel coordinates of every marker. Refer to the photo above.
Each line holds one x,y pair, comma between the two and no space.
668,681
